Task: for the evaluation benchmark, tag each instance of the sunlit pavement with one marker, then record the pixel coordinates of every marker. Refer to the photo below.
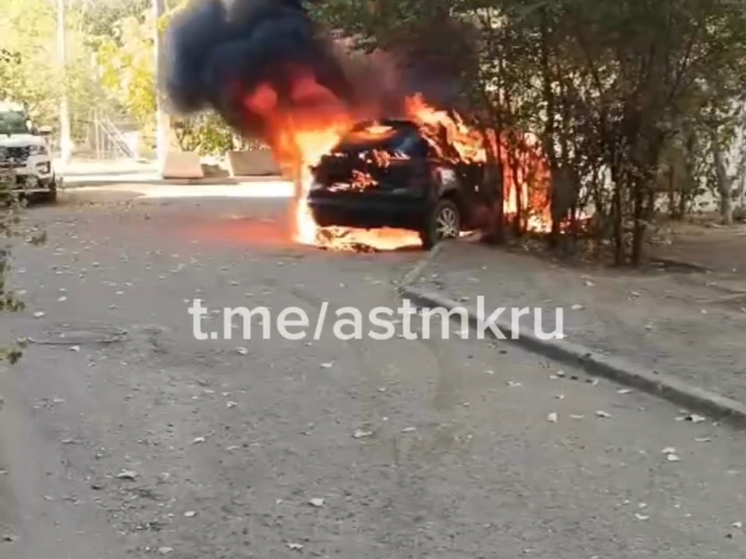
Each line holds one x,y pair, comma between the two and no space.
126,437
253,189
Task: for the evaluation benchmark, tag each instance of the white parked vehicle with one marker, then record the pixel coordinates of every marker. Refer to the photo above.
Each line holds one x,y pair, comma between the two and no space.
24,148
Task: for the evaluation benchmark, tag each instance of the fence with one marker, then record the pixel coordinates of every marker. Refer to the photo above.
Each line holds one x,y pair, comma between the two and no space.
99,136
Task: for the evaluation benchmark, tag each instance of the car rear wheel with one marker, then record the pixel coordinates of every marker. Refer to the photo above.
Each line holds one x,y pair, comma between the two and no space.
444,223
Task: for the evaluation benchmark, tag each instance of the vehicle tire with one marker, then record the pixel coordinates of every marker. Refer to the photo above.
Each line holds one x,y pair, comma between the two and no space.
50,197
444,222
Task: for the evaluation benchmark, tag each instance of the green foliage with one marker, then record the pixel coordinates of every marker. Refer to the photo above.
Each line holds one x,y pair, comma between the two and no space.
126,61
623,89
126,58
206,134
9,220
29,67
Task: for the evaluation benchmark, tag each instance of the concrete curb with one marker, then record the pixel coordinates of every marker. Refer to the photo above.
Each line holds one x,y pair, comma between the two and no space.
414,274
596,364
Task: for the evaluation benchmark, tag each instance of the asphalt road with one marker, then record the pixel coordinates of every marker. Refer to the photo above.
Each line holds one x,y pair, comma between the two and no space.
123,436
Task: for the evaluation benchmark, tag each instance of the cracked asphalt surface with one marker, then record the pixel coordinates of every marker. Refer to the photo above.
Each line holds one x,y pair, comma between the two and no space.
123,436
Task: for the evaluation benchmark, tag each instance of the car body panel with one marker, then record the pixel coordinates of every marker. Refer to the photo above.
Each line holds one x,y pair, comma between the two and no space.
406,190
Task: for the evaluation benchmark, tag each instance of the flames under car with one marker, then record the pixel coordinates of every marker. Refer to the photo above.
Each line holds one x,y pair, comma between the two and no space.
387,174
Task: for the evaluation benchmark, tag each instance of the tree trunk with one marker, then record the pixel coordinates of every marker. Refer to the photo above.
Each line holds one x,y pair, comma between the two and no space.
493,226
723,182
638,229
618,216
549,129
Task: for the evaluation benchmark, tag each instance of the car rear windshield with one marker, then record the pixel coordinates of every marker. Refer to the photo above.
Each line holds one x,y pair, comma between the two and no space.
392,139
13,122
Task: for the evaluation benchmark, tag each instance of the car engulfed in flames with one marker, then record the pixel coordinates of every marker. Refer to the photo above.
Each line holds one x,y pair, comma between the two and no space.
413,180
364,151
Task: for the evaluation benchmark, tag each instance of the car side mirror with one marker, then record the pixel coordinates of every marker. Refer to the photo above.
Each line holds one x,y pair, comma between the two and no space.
44,130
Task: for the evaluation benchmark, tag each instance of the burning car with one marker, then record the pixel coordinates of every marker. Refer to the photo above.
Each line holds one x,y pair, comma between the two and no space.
269,70
388,174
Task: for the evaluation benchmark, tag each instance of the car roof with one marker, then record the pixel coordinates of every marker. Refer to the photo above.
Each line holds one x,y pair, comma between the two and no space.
8,106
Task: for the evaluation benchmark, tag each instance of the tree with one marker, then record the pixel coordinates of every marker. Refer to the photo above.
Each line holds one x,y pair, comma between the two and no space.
126,60
9,220
612,89
127,66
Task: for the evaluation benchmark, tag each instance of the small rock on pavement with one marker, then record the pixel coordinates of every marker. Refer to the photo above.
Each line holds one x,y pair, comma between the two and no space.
360,434
295,546
316,503
552,418
190,514
165,550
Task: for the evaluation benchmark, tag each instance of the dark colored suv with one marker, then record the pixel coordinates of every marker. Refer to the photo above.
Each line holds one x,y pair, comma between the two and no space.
387,175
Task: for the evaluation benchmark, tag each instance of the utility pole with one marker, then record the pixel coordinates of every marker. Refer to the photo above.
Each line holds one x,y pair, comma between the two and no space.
162,120
65,140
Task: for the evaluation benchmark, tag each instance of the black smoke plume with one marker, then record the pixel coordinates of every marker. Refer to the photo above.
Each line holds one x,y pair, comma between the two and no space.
220,51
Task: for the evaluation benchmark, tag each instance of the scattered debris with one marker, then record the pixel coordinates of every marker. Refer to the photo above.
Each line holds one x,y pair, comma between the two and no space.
318,503
128,475
231,404
190,514
39,314
624,391
669,450
552,418
199,440
673,458
702,440
639,516
601,413
295,546
738,525
408,429
694,418
577,307
360,434
242,351
165,550
327,365
577,417
514,384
